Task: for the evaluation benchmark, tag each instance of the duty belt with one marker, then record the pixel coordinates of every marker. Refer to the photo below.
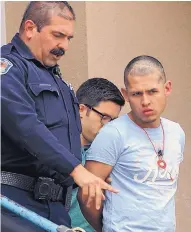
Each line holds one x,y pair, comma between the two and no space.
44,188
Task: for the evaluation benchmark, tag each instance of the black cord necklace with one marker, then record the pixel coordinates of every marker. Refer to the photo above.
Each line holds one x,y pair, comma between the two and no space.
161,163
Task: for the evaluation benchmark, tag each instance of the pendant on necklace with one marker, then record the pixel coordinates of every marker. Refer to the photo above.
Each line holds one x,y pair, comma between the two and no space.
161,163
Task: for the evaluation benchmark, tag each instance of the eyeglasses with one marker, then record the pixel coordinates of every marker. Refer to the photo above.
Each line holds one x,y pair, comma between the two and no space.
104,118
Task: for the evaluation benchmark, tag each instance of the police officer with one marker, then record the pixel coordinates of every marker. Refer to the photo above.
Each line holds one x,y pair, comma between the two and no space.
40,120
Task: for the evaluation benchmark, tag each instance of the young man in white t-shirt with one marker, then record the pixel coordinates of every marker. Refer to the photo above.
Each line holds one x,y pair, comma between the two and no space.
141,151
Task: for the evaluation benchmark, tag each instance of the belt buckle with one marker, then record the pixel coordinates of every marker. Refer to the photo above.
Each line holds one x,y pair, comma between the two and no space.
43,188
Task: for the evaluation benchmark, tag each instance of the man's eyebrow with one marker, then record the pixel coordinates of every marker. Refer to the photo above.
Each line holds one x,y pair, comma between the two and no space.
135,91
141,91
152,89
63,34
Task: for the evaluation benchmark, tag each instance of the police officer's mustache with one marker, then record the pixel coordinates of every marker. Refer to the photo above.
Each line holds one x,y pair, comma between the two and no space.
57,51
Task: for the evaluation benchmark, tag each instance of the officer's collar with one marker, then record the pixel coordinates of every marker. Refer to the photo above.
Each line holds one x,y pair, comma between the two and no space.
25,52
22,48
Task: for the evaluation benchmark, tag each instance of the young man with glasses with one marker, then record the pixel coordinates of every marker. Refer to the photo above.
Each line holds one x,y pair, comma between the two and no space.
103,117
100,102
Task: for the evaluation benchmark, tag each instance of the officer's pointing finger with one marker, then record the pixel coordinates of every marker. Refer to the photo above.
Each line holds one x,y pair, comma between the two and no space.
99,196
108,187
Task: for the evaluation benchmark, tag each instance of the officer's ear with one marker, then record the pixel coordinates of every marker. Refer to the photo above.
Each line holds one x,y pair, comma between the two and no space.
83,110
30,29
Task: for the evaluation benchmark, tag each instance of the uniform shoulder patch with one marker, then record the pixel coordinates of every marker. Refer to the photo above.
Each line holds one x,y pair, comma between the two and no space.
5,66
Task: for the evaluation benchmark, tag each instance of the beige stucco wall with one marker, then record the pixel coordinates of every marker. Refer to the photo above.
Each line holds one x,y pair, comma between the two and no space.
109,34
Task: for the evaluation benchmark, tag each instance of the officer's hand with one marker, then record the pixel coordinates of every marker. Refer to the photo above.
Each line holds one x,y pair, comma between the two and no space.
91,185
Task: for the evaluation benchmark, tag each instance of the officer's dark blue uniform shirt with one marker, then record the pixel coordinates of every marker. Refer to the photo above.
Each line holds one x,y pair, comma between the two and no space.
40,118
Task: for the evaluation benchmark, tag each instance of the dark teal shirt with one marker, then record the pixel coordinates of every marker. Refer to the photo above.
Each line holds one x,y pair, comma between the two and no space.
77,217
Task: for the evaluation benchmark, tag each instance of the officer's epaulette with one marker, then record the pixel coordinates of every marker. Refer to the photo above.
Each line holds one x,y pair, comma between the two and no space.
6,49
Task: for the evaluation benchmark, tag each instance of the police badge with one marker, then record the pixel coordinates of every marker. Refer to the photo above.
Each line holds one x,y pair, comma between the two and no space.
5,66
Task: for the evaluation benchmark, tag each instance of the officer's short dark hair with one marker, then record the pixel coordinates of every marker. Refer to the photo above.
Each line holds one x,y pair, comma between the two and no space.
143,65
95,90
39,12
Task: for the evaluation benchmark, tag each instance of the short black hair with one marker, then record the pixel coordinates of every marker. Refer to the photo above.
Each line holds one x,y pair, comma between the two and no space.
143,65
97,89
39,12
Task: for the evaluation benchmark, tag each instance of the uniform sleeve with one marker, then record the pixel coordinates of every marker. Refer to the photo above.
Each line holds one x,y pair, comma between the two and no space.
21,124
106,147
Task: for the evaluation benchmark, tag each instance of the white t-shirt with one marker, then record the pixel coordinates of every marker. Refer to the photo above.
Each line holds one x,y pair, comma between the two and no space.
146,199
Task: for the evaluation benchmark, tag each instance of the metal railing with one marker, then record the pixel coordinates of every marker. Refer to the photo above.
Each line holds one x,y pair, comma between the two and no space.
34,217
